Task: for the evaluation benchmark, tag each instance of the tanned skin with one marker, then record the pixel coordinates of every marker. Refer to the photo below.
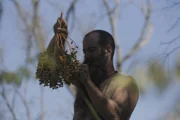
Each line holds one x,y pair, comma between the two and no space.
123,101
92,74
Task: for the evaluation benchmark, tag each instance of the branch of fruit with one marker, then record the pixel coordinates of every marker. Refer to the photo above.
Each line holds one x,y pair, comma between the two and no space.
56,66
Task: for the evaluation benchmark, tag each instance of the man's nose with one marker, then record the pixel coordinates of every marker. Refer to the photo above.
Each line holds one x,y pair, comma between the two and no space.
90,56
87,57
87,54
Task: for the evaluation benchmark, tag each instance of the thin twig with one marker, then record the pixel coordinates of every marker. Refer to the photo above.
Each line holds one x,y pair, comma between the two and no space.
145,34
24,101
28,49
170,52
38,34
38,30
40,37
70,10
112,18
27,24
3,94
171,41
14,99
42,102
22,14
177,22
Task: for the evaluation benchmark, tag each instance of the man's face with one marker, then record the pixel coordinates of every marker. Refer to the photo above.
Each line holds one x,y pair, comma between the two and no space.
94,57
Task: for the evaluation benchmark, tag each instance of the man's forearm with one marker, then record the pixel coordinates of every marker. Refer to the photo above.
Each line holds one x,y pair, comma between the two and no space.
103,105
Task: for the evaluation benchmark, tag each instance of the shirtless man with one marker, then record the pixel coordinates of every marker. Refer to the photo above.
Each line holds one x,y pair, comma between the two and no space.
113,95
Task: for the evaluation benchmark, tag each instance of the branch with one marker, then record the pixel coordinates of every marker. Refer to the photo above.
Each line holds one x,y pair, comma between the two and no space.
37,28
71,9
112,18
41,44
14,99
38,116
145,34
3,94
174,25
38,34
170,52
24,101
171,5
42,103
171,41
22,14
28,26
55,5
1,58
104,15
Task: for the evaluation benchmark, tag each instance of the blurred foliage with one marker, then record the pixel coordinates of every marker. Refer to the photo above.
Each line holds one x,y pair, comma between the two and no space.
158,75
178,68
16,77
148,75
155,74
142,77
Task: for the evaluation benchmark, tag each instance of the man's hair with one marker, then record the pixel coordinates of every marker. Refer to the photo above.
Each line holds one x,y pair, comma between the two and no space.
105,39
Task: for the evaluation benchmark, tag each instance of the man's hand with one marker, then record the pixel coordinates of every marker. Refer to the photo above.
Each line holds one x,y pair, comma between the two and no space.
61,26
83,73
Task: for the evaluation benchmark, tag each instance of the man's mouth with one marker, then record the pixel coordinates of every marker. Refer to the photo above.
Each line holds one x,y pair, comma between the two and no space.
94,65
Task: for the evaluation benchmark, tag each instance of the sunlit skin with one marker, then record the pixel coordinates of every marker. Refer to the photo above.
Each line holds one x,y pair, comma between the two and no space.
95,70
123,100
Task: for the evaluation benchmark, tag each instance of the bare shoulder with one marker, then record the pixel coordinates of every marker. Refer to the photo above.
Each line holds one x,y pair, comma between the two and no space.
132,85
125,81
126,93
128,83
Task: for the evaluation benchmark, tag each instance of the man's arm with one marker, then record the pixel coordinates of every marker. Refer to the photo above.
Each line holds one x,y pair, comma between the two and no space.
119,106
78,107
109,109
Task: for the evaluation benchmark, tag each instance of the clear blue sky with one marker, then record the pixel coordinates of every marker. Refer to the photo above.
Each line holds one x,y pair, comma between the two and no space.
59,103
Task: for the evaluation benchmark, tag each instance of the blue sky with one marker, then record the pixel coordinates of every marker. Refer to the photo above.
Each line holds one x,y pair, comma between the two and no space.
59,103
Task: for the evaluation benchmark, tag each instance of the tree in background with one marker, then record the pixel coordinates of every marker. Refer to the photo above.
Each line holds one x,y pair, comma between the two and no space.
35,36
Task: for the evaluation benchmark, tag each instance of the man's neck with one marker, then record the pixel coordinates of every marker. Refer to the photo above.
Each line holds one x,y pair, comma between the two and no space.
109,70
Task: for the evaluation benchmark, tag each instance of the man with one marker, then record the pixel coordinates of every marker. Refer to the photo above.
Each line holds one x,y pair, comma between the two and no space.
113,95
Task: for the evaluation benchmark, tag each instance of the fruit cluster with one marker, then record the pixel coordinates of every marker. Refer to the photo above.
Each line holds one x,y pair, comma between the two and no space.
60,65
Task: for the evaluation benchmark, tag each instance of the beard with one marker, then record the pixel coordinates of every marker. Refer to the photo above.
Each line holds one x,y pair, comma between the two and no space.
97,69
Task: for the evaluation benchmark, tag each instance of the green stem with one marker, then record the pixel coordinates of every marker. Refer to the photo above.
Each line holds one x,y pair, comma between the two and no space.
90,106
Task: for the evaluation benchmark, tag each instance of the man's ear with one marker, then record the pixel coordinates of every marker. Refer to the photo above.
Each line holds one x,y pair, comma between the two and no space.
108,50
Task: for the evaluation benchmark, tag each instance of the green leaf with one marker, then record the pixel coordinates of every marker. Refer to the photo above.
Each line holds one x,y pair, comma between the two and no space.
24,72
18,80
142,78
158,75
9,77
178,68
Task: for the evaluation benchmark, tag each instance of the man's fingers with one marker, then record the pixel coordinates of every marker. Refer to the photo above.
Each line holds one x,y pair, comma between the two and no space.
62,26
61,30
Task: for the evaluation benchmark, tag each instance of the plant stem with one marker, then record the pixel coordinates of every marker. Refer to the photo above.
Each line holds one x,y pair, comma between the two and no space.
90,106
